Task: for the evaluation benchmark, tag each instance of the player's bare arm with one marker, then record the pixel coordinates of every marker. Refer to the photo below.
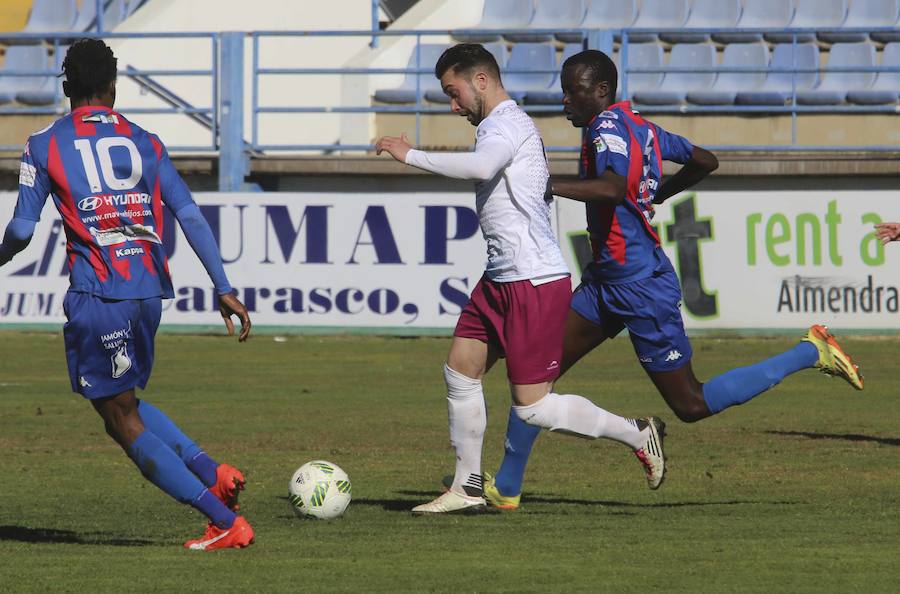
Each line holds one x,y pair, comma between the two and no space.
608,189
701,164
887,232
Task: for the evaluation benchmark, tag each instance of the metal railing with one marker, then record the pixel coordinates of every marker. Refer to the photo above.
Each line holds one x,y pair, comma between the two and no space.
590,39
142,77
223,115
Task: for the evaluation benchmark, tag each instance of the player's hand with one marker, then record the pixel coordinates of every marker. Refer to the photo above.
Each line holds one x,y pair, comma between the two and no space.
229,305
396,146
887,232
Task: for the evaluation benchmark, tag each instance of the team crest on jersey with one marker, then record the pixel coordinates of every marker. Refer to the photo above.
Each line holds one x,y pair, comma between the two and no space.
599,144
121,362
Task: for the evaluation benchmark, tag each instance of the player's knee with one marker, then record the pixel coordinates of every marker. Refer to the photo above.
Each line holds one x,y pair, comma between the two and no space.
459,385
690,410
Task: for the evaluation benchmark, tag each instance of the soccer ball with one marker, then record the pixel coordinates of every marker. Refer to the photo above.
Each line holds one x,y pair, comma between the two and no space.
319,489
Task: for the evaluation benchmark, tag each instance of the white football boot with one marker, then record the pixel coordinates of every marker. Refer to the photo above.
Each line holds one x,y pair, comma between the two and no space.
452,502
651,455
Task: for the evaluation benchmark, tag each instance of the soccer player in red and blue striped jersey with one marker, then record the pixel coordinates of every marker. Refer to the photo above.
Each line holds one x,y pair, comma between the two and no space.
110,181
631,283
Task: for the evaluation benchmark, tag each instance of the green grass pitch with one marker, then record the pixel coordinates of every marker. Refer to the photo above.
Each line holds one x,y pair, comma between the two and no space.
797,491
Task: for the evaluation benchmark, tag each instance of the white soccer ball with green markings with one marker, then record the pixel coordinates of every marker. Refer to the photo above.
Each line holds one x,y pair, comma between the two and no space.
319,489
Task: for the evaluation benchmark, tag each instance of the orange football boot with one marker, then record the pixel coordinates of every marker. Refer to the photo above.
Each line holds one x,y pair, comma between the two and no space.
240,535
229,483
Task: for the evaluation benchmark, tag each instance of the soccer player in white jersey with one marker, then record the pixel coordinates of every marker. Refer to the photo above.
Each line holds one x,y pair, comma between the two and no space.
518,309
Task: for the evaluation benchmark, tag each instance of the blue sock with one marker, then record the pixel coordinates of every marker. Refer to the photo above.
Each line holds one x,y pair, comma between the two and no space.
162,467
520,437
190,453
740,385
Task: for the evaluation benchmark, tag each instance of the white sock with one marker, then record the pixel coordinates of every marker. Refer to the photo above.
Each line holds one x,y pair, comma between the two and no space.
468,419
568,413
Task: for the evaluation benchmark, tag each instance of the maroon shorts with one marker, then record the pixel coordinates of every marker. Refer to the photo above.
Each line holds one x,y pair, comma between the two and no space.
523,322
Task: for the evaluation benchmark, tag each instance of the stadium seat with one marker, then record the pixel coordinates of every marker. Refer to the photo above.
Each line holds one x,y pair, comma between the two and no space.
115,12
553,14
728,84
87,16
553,94
818,14
24,58
406,92
658,14
863,13
610,14
759,14
436,94
886,88
676,85
833,87
501,14
529,56
48,16
777,90
642,55
706,14
889,36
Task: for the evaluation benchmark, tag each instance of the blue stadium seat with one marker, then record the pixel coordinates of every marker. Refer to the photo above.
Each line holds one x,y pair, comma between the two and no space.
833,87
553,95
436,95
529,56
886,88
87,16
643,55
889,36
818,14
777,90
610,14
24,58
115,12
676,85
863,13
553,14
759,14
48,16
406,92
728,84
706,14
501,14
658,14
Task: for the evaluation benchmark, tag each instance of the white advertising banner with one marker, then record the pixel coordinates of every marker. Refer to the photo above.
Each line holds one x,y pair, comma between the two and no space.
405,262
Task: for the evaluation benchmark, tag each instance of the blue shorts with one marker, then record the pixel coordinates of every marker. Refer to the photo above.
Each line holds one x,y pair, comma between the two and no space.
649,308
109,344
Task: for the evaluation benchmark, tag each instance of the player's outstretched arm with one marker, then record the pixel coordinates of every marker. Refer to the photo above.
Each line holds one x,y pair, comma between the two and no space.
17,237
701,164
887,232
492,153
609,189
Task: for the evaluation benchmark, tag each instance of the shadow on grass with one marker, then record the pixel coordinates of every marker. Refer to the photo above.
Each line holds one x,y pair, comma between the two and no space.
554,499
52,535
891,441
397,505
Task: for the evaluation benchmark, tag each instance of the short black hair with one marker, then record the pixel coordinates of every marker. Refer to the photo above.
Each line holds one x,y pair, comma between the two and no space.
599,65
464,57
89,68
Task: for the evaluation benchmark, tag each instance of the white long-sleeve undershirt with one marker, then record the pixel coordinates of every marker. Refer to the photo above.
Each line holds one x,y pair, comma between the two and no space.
492,153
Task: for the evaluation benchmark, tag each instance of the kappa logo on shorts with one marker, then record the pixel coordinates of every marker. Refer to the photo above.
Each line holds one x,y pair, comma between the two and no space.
84,383
673,355
121,362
